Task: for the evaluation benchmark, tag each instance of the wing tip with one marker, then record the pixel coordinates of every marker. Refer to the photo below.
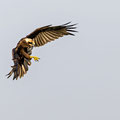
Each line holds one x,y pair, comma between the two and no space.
70,28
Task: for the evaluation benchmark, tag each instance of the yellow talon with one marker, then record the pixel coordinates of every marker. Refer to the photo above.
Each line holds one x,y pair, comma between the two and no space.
35,58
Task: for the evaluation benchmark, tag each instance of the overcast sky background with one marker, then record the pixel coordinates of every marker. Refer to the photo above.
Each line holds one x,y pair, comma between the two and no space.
77,78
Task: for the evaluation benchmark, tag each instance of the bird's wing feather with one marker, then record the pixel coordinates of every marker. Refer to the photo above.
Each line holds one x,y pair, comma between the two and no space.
20,65
49,33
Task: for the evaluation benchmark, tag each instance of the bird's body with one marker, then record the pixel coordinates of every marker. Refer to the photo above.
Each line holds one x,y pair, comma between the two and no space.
21,54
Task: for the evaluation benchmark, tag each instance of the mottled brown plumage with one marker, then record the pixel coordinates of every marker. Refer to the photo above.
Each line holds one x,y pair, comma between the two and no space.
21,53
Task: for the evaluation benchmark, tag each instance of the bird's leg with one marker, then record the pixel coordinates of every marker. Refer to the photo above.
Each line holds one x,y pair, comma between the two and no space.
28,56
35,58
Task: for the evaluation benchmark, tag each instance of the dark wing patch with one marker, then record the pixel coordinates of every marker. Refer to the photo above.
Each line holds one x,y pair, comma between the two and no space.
20,64
49,33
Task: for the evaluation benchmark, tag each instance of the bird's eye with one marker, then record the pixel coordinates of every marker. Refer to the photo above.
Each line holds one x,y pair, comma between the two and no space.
30,42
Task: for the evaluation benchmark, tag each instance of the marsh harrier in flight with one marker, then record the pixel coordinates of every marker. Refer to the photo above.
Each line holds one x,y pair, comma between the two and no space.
21,54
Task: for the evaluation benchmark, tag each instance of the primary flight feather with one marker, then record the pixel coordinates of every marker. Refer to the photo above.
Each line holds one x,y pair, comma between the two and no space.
21,54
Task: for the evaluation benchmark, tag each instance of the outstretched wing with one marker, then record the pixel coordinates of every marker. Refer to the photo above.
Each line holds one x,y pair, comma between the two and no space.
49,33
20,65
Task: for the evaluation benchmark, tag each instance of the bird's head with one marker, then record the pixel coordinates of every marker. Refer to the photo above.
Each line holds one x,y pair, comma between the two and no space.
27,42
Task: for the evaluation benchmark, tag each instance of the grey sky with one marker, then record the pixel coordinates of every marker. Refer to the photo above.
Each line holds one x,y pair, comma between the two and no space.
77,78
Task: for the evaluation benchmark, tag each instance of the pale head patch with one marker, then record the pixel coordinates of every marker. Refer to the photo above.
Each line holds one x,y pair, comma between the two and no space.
28,40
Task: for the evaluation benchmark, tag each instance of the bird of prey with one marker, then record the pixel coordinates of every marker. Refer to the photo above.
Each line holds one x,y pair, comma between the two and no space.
21,54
